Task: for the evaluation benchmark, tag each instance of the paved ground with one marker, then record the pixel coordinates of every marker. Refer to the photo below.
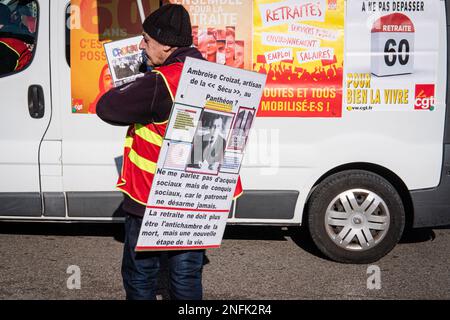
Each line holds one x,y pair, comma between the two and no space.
253,263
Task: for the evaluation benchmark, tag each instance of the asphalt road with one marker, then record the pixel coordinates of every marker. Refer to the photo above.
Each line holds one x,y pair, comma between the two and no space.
253,263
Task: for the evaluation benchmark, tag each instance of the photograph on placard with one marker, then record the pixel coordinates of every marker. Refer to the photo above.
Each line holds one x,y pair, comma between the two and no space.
177,155
241,129
209,143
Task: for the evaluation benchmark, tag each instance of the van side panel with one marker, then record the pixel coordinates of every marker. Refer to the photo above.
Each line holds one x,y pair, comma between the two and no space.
267,204
447,115
293,153
432,207
98,204
27,204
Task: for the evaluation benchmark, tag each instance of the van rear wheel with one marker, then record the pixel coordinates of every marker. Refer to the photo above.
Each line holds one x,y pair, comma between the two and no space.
355,216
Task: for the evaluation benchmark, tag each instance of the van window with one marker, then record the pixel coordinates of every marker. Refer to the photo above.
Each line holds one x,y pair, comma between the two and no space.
68,34
18,28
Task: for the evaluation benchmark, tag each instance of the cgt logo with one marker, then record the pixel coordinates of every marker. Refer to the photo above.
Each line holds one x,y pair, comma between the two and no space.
424,99
332,4
77,105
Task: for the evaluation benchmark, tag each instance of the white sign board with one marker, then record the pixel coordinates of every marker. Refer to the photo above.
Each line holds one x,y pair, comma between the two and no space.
198,167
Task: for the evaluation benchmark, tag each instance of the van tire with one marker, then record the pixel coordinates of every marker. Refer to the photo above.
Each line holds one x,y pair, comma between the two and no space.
362,205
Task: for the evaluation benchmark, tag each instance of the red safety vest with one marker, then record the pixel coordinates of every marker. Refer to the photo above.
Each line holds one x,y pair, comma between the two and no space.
19,47
143,144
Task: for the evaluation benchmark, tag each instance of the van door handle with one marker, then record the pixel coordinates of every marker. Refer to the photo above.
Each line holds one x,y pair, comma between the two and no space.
36,103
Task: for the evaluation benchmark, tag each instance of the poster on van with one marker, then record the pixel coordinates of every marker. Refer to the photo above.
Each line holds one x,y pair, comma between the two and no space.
221,30
93,23
391,55
300,46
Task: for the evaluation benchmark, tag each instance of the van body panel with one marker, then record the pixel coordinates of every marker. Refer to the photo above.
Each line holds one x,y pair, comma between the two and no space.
432,207
90,147
54,204
266,204
50,160
21,134
27,204
84,204
81,156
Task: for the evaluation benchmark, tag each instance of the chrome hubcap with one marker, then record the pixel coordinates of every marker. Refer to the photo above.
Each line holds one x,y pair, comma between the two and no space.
357,219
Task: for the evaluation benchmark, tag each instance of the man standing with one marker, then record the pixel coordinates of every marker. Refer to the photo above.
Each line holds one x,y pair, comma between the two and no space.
144,105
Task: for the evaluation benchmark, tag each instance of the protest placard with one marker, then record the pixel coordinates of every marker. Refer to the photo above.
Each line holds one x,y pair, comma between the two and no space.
201,155
124,60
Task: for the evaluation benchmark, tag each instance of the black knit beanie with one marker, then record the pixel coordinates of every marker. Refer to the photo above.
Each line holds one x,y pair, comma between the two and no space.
170,25
5,14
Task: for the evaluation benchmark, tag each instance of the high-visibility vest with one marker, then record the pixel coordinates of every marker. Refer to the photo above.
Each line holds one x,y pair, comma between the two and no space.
143,144
20,48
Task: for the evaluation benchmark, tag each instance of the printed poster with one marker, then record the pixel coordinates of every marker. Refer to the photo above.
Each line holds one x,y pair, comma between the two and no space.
392,55
124,59
299,44
93,23
201,155
222,30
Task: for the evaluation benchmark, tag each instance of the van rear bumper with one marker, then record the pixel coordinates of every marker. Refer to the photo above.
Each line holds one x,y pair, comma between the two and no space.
432,206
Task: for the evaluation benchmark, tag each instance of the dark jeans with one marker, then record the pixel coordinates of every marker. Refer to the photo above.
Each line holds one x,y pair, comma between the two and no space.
140,269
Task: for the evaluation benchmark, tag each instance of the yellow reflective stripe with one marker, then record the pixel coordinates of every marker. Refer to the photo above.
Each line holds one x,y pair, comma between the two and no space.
18,54
128,141
148,135
141,162
165,81
164,122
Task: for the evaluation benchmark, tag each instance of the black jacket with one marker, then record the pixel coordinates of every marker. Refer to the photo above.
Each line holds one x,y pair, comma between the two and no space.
145,100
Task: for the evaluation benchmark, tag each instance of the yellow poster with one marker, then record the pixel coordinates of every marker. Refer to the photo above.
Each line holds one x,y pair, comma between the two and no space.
92,23
300,46
222,30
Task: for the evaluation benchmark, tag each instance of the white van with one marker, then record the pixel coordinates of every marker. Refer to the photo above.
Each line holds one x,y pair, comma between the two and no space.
356,181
